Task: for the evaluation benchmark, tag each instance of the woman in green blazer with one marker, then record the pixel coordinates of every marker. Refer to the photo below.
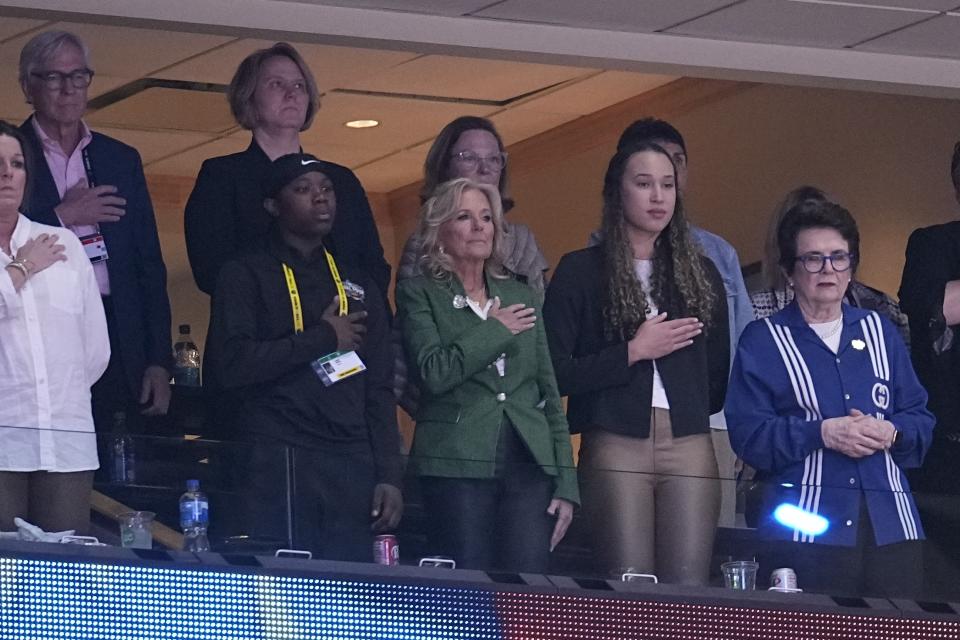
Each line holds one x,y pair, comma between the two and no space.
492,447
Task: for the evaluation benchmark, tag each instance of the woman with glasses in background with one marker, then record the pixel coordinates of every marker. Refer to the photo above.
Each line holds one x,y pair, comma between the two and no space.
469,147
824,402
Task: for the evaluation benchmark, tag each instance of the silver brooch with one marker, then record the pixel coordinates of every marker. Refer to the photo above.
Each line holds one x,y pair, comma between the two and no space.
459,302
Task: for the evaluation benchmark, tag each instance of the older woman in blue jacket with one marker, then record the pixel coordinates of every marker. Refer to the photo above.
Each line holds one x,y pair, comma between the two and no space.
824,403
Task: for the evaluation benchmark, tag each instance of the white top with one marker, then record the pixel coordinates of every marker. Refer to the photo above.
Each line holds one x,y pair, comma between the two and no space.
829,332
54,346
644,270
482,312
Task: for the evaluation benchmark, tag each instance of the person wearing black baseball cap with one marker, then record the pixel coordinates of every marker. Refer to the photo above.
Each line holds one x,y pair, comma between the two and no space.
304,339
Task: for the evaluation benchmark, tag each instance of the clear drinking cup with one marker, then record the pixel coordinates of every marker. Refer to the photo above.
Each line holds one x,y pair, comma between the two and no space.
136,529
740,574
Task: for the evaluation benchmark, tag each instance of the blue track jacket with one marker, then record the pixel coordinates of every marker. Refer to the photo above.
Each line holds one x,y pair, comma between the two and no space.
786,381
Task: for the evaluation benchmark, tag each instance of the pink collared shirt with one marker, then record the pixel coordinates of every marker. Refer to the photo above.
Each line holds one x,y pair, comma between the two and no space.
67,173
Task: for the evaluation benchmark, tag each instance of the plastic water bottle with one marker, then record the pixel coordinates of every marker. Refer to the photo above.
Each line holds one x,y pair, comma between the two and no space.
186,360
122,471
194,518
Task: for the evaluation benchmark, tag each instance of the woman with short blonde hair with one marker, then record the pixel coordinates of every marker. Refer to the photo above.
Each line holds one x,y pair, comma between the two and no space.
274,95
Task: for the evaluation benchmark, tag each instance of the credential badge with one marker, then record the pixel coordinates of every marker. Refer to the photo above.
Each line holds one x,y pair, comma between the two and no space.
354,291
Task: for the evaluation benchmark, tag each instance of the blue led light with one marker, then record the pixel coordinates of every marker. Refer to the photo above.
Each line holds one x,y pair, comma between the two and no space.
793,517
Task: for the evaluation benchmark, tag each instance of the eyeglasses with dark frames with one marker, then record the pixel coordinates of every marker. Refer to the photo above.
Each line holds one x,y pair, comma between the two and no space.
815,262
55,80
472,161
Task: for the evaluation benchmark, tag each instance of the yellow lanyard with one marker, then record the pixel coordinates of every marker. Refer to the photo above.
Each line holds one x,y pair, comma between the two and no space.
295,293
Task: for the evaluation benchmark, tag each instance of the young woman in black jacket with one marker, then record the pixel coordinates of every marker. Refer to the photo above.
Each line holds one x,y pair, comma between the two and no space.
637,329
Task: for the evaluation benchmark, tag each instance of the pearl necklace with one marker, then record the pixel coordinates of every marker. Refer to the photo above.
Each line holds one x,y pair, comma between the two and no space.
833,330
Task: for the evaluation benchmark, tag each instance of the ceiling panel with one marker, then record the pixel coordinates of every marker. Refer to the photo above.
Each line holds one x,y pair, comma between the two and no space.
595,93
448,76
930,5
937,37
403,122
332,66
10,27
799,23
173,109
618,15
132,53
515,125
434,7
154,145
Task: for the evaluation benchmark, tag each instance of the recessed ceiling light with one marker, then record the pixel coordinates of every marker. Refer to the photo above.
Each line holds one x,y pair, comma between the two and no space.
361,124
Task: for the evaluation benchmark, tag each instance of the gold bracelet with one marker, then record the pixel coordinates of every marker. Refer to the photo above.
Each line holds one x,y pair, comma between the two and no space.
18,264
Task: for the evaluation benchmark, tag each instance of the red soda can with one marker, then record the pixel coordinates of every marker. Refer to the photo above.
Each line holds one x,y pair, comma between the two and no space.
386,550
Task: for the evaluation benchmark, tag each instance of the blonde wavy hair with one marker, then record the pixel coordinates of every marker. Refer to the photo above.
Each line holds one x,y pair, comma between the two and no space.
442,207
679,279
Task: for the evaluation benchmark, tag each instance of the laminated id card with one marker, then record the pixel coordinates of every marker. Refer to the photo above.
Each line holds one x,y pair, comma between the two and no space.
95,247
337,366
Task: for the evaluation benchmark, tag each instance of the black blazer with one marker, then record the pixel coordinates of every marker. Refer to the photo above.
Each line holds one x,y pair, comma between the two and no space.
138,277
592,370
933,260
225,218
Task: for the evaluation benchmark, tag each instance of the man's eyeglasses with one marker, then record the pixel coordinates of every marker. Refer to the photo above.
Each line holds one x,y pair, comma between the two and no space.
472,161
55,80
815,262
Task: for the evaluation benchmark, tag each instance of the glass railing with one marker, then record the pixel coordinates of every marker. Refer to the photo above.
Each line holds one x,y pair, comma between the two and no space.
265,497
249,486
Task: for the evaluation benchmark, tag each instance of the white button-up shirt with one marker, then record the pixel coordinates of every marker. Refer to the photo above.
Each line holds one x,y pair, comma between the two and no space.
53,347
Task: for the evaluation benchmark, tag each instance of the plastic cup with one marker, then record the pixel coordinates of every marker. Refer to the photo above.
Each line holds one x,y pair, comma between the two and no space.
740,574
136,529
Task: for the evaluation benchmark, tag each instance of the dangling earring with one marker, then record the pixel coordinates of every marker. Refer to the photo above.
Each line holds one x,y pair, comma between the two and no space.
790,283
442,251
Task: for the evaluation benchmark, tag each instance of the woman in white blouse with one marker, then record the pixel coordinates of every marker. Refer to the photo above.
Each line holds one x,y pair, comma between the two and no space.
54,347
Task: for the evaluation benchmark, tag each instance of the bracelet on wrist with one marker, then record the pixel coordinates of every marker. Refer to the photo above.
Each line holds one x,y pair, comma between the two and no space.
21,267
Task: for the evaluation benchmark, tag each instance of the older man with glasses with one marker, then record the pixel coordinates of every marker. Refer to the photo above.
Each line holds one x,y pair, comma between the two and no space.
94,185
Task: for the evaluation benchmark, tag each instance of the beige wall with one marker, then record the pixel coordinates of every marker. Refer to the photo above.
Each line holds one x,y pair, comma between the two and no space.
886,158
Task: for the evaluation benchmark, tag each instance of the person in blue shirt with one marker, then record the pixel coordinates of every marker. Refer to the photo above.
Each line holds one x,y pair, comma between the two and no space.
824,403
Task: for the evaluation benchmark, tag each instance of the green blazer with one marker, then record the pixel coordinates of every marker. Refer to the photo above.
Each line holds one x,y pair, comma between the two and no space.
452,353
